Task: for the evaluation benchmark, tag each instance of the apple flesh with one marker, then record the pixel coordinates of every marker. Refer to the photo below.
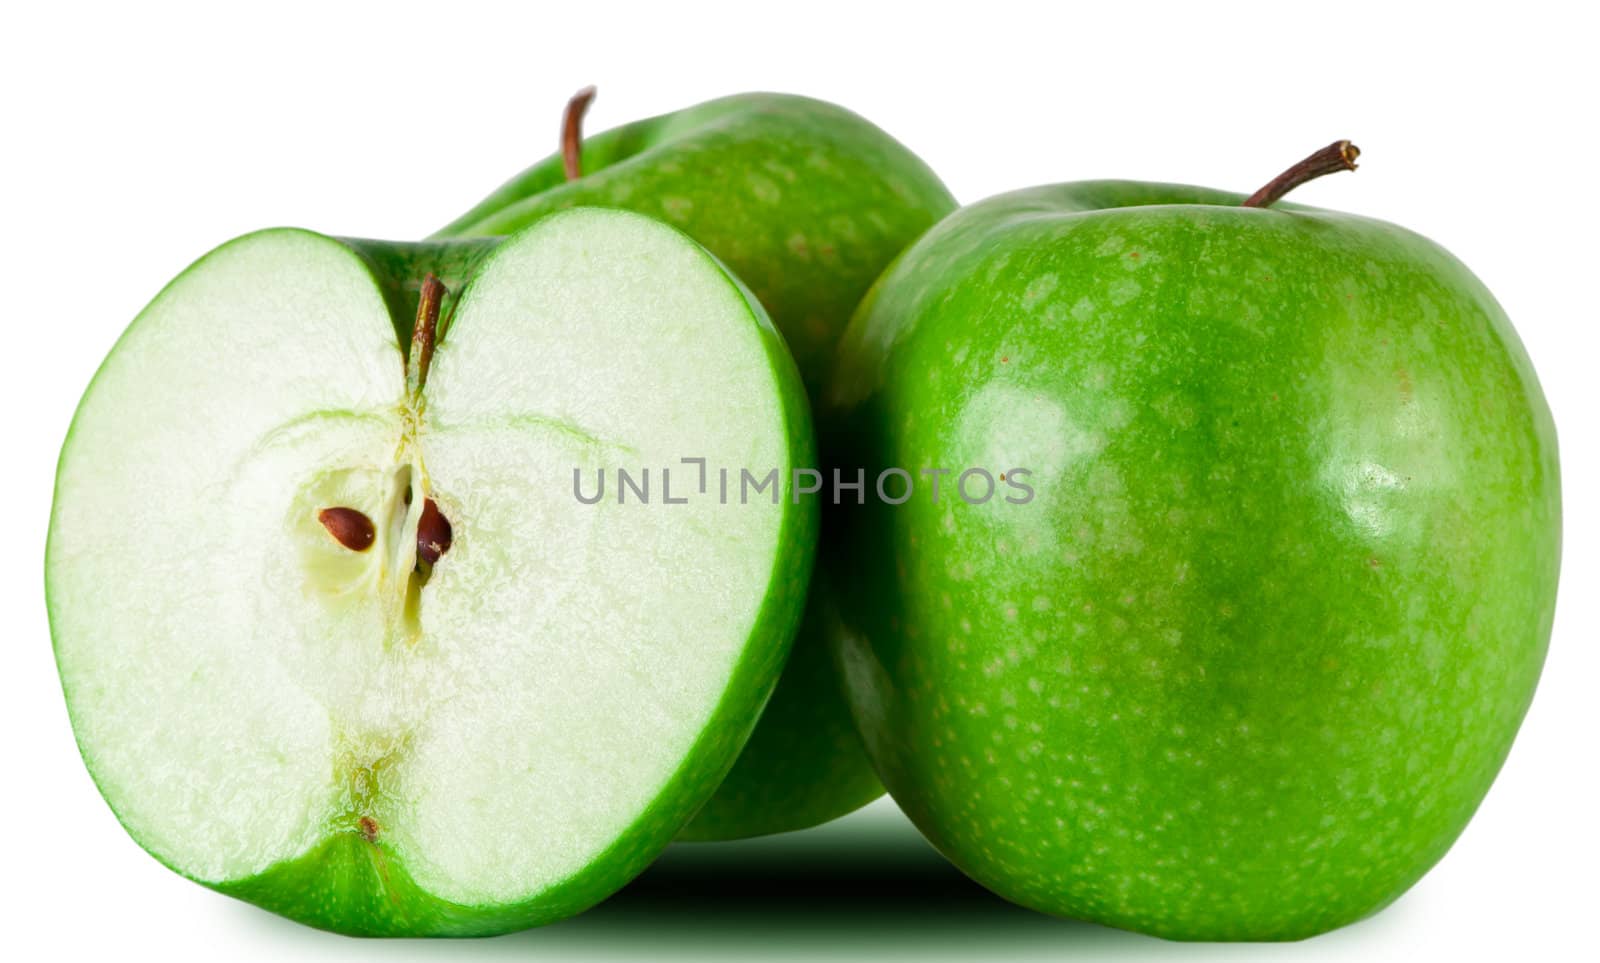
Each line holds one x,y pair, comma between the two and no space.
807,203
335,634
1250,658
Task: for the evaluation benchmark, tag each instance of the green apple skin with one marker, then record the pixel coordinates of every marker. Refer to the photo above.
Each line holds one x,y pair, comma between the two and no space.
355,886
804,764
807,203
1248,661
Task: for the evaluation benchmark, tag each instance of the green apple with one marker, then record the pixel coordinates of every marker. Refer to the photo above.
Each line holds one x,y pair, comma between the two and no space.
335,633
1237,645
807,203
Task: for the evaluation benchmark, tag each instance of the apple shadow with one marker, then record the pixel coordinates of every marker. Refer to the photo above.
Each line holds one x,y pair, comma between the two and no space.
864,887
865,884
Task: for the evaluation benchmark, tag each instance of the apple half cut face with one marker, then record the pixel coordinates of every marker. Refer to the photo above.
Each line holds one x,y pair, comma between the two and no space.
335,632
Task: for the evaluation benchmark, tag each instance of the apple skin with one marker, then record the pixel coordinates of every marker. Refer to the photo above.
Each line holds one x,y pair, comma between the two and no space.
1249,660
807,203
359,887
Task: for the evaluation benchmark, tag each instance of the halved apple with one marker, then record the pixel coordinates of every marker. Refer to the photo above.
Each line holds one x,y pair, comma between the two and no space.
336,633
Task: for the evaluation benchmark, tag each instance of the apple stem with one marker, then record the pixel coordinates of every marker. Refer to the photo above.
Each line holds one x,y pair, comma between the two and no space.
1338,156
572,132
425,331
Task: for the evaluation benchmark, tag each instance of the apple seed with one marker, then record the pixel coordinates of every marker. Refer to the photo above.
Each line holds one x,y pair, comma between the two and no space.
349,527
433,533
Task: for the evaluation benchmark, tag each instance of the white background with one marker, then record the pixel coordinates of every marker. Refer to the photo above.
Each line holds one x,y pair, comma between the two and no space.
138,136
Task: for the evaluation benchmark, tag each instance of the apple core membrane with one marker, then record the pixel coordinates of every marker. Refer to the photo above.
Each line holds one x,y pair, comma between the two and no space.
491,722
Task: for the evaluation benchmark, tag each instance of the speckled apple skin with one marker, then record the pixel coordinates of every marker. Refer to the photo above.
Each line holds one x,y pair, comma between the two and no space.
807,203
804,200
1249,660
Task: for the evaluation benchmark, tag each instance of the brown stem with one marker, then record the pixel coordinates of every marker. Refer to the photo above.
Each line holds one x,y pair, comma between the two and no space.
572,132
425,331
1338,156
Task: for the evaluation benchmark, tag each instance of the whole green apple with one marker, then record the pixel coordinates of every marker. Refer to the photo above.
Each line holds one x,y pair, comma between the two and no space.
336,635
1264,577
807,203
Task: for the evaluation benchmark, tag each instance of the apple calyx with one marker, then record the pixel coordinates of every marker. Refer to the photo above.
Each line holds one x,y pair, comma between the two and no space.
572,132
349,527
1338,156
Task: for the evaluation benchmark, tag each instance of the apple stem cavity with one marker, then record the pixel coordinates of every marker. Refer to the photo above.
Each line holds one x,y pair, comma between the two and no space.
349,527
572,132
1338,156
424,333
